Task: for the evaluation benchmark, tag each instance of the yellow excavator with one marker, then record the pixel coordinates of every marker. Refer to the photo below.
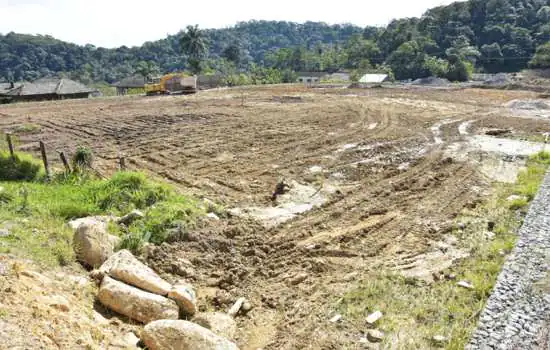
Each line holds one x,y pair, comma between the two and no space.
171,84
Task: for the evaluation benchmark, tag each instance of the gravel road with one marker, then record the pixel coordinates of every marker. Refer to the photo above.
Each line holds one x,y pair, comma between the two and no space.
517,315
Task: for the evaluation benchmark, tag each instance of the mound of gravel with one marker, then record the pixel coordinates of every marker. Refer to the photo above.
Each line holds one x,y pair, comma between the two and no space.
500,79
531,105
431,81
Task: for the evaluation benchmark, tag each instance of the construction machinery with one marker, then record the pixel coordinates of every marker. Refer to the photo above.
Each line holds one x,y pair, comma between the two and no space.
171,84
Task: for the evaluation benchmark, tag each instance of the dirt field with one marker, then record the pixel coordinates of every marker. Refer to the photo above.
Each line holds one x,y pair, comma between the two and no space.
386,171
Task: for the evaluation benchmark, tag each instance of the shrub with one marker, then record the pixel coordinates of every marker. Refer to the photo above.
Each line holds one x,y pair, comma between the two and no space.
83,158
21,167
129,190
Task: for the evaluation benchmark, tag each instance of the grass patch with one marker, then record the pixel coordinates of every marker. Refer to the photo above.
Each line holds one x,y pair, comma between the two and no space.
26,128
38,210
415,312
21,167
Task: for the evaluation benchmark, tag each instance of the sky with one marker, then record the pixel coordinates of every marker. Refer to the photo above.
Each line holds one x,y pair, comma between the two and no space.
113,23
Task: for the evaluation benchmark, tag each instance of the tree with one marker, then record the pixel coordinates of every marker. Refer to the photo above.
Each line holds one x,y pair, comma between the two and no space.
194,45
147,69
232,53
408,61
542,57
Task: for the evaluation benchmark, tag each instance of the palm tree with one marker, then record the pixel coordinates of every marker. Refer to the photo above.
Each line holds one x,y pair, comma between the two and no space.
194,45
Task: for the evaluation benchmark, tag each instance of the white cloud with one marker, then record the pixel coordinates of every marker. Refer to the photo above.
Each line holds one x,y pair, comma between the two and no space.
112,23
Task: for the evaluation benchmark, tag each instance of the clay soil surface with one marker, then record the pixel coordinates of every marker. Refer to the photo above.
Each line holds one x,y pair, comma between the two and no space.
395,186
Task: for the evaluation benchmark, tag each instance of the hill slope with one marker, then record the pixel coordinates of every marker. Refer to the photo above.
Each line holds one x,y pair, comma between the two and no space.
495,35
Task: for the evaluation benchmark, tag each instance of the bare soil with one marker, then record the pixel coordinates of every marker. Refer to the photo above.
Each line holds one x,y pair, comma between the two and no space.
398,189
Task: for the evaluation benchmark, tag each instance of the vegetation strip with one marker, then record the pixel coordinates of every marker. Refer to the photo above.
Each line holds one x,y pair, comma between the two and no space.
516,315
35,210
445,313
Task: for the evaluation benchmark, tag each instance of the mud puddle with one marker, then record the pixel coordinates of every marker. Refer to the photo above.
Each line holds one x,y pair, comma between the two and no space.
300,199
507,147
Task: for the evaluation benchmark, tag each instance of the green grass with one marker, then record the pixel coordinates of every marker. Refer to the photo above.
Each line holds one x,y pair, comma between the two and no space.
415,312
21,167
26,128
39,209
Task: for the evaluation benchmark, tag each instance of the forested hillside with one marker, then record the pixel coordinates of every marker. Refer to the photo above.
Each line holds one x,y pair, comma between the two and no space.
449,41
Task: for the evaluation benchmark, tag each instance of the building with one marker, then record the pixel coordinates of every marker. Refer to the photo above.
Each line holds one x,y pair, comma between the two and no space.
373,78
339,77
45,89
310,78
133,82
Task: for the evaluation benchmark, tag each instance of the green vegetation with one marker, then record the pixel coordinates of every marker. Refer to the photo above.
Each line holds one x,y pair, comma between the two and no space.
83,158
38,210
491,36
20,167
26,128
194,45
542,57
417,311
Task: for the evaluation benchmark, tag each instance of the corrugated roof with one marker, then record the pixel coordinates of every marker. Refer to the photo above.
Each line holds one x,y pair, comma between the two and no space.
311,74
51,86
6,87
373,78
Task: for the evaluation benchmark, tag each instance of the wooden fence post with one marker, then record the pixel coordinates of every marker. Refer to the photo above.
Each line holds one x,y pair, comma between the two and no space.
65,162
10,145
44,158
122,163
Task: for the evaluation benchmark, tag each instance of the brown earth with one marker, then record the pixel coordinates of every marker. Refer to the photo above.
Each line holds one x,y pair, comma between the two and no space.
398,191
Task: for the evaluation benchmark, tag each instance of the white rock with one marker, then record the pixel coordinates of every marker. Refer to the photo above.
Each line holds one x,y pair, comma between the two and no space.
218,322
182,335
336,318
131,339
439,339
91,220
131,217
236,307
92,244
213,216
125,267
374,317
465,284
185,297
375,336
490,235
135,303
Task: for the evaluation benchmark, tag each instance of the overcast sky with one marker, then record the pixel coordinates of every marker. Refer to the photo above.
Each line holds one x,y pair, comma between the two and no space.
111,23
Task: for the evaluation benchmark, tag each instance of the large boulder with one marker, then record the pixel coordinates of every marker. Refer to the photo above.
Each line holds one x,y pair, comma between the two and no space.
92,220
182,335
125,267
92,244
135,303
218,322
185,297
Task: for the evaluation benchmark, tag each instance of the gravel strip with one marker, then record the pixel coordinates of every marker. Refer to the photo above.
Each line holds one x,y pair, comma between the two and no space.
517,315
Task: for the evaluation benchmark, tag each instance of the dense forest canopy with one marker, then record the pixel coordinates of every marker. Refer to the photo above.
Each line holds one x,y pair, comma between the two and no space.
451,41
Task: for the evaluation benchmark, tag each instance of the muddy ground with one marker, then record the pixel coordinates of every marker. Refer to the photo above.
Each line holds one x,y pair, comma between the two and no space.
385,171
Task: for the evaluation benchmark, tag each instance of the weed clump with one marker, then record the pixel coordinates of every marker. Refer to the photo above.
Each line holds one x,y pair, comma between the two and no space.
83,158
126,191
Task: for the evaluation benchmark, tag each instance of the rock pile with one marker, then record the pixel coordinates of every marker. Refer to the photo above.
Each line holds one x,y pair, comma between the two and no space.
131,288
